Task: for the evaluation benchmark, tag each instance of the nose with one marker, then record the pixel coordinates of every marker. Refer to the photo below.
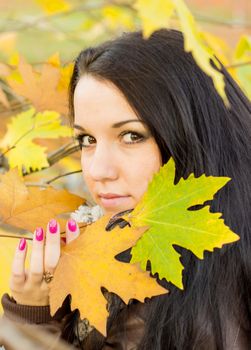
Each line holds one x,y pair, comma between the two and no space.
103,165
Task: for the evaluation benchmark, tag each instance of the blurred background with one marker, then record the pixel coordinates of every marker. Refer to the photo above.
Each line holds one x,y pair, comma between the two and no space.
40,29
50,33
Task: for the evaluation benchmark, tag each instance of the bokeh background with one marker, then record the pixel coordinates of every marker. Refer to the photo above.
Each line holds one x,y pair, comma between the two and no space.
38,29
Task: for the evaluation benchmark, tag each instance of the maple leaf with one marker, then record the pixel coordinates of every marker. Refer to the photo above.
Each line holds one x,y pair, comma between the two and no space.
164,209
55,6
3,99
40,88
65,71
8,42
25,207
89,263
155,15
25,127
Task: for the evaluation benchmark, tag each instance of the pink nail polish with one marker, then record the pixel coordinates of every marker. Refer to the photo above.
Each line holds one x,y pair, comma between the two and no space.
72,226
22,244
39,234
53,226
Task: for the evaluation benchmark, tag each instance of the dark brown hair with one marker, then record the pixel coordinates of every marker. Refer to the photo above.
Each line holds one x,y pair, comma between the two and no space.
190,122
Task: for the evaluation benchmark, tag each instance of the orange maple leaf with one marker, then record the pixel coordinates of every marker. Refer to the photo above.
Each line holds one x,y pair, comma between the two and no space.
89,263
3,99
41,88
25,207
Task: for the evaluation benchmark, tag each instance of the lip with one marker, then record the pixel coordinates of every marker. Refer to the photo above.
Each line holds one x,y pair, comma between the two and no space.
110,195
112,200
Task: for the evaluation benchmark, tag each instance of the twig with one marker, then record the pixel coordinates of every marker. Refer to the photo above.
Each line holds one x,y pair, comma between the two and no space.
66,174
34,184
54,157
236,65
13,235
62,153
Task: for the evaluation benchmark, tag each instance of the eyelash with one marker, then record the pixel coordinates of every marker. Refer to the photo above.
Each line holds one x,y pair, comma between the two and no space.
79,138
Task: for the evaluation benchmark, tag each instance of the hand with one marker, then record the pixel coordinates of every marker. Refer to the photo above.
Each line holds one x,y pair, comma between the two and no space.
30,287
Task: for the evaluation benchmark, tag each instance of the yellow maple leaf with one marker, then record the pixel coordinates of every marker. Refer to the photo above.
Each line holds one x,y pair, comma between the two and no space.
21,131
89,263
28,155
55,6
28,208
150,12
41,88
117,17
65,71
54,60
242,54
154,14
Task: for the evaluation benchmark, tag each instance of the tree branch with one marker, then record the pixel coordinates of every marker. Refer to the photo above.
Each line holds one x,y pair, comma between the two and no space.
57,155
59,176
241,64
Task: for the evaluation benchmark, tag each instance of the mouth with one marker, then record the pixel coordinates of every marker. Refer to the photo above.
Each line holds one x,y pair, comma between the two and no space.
110,200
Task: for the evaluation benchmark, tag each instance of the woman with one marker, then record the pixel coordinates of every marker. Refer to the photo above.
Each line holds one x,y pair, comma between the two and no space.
136,103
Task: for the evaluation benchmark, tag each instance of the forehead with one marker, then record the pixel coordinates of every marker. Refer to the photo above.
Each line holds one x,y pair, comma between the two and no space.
98,102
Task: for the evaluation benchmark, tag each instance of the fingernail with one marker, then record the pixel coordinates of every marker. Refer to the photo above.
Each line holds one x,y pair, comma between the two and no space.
53,226
72,226
22,244
39,234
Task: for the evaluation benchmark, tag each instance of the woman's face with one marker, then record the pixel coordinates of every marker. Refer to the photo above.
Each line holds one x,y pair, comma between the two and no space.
119,154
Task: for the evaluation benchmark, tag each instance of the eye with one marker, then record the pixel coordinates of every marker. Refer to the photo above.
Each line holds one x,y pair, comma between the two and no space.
85,140
132,137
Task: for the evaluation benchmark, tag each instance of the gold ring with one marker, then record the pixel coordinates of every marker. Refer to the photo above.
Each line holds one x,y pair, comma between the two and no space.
47,276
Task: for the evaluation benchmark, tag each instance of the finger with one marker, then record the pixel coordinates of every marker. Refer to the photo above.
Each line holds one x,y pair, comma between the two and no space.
18,266
72,230
52,246
37,256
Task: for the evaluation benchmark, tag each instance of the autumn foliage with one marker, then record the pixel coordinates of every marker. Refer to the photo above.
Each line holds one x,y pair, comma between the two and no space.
37,139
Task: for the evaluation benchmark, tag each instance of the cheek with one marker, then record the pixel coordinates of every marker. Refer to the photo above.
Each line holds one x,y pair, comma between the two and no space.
85,171
142,172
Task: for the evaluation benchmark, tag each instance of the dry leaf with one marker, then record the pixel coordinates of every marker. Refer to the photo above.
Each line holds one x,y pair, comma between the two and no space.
28,208
88,263
3,99
41,88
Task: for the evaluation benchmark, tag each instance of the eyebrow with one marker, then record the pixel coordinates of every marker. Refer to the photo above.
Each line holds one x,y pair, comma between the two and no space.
114,126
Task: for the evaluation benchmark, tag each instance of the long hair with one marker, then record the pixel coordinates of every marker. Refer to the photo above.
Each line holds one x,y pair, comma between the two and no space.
190,122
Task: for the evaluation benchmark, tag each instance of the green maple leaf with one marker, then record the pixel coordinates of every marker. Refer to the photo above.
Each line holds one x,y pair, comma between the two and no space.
164,209
23,129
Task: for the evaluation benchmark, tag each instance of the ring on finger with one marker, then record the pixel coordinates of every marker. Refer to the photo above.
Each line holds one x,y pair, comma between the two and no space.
47,276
